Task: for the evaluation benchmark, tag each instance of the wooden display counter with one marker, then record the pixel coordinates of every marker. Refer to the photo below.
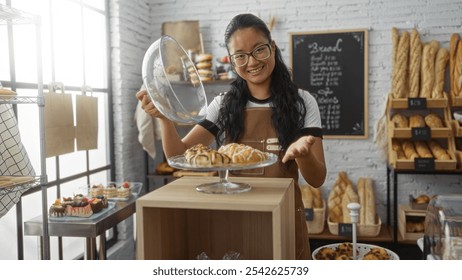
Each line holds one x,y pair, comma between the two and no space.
177,222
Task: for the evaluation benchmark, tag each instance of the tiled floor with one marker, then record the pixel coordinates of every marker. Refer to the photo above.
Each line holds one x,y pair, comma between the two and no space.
122,250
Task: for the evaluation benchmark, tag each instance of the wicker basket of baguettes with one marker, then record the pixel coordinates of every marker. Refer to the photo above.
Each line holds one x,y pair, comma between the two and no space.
344,192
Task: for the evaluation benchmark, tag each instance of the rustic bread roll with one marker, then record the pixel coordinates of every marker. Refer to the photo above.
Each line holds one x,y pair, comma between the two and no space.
427,73
452,60
397,147
409,150
240,153
416,120
349,196
432,120
438,151
441,61
415,59
422,149
400,120
400,85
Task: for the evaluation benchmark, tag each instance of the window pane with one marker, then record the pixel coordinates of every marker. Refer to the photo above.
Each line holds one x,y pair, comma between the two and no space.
99,4
68,43
4,58
100,156
95,49
25,53
100,178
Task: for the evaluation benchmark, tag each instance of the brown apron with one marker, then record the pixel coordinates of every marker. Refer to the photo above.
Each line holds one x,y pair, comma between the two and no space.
260,134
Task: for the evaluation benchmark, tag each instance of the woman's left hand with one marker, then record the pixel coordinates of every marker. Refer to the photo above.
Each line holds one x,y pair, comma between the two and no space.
300,148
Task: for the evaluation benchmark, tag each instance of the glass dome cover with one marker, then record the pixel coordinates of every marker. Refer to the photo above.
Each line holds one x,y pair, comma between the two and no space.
172,82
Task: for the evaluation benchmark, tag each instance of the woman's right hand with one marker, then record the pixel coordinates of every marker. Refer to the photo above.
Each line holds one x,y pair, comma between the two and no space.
147,105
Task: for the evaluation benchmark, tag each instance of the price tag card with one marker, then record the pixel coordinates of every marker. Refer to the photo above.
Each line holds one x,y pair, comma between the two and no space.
424,164
309,214
417,103
421,133
345,229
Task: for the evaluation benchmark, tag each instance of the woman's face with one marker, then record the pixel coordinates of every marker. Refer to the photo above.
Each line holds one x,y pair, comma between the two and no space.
255,72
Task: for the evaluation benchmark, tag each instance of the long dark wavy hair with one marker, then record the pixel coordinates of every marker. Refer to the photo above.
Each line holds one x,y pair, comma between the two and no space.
288,107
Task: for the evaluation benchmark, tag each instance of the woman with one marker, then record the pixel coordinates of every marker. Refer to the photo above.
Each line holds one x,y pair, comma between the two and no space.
263,109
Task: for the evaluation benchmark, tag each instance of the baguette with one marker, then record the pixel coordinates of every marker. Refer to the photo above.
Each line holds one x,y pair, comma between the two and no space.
438,152
440,67
307,196
317,198
415,59
400,85
427,71
349,196
394,42
458,70
452,61
362,199
370,202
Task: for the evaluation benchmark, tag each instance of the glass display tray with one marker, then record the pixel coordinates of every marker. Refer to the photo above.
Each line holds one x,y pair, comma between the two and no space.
223,186
134,186
75,218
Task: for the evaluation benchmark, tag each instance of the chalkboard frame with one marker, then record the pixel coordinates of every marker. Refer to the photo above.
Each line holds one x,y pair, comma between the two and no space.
364,133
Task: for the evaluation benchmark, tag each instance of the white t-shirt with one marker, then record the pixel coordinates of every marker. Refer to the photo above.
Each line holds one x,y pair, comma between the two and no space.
312,118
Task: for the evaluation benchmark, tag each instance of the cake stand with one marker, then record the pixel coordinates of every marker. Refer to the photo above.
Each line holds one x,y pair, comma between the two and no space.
223,186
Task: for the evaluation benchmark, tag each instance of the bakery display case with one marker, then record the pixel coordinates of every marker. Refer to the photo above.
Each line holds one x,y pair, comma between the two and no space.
443,228
178,222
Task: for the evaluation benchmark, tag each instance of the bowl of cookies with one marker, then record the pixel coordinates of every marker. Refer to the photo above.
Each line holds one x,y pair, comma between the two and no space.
172,82
344,251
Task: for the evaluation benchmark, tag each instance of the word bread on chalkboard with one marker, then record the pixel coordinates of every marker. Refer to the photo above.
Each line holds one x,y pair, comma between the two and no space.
332,67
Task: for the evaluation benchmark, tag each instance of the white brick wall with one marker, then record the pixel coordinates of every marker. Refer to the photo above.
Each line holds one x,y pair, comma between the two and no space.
136,24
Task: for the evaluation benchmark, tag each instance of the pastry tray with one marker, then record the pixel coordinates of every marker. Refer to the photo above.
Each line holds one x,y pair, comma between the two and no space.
74,218
180,163
134,186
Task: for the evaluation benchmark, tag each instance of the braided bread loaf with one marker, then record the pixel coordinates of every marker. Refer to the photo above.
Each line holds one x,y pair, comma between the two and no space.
201,155
240,153
334,202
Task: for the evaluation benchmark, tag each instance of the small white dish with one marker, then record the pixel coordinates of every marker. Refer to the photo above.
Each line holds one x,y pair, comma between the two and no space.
458,116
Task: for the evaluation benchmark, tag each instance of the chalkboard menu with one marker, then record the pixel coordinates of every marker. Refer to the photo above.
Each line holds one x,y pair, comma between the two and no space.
332,66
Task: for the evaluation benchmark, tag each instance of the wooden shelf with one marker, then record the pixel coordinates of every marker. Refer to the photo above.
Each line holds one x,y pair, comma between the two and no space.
385,235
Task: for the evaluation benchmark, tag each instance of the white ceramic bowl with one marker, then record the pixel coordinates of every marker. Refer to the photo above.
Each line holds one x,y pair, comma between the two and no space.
173,83
458,116
361,248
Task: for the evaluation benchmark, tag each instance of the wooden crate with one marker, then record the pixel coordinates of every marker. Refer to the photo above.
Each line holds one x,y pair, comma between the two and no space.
407,164
405,212
363,230
175,222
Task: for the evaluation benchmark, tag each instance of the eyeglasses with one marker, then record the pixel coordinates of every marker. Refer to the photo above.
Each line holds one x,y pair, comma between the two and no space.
260,53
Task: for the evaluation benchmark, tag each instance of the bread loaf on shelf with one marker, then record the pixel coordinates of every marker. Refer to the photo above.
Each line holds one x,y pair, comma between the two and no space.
452,61
438,151
366,195
458,70
441,61
415,60
311,197
427,73
400,120
416,120
422,149
400,78
409,150
432,120
397,147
